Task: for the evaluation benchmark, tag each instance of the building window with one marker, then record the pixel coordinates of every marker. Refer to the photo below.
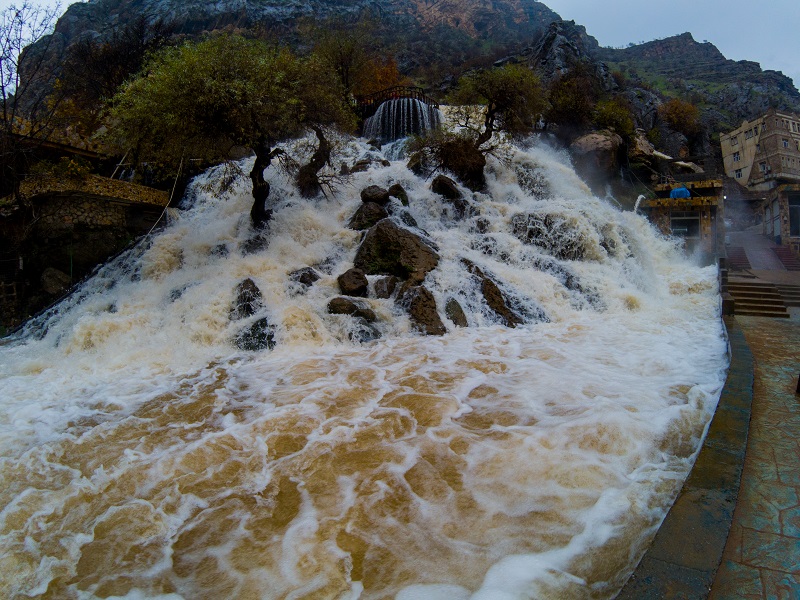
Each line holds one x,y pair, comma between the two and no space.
758,147
736,156
763,166
734,141
738,173
763,127
785,142
794,215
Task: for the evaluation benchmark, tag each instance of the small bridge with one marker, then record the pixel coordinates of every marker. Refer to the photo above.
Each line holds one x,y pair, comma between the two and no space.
93,186
366,106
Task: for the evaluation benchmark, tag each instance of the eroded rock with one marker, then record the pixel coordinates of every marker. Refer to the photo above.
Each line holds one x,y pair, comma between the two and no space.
494,297
421,306
257,337
455,313
348,306
376,194
447,189
385,287
397,191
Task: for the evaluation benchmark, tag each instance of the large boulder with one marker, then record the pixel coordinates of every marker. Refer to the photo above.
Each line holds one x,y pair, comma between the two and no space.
375,194
385,286
421,306
367,215
494,297
247,301
596,154
353,282
54,281
306,276
389,249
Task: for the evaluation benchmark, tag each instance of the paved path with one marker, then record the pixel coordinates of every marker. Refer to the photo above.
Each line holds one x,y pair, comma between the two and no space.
758,249
762,555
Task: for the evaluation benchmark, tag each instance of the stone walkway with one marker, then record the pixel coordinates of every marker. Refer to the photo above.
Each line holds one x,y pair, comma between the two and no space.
762,555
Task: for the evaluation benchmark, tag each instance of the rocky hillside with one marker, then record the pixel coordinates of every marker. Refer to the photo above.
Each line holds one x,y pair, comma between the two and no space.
728,91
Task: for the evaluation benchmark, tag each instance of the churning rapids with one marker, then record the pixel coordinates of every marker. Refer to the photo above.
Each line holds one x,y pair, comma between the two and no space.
142,455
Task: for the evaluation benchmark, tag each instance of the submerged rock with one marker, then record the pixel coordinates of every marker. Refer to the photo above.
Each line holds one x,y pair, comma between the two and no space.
455,313
550,232
389,249
367,215
494,297
353,282
421,306
259,336
248,300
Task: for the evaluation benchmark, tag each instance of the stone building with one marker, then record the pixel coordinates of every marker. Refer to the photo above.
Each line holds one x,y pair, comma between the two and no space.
763,155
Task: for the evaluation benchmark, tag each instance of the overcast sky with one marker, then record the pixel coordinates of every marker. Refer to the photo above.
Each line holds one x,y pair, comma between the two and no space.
765,31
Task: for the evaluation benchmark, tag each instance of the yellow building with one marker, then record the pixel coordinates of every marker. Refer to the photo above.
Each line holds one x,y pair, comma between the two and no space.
763,155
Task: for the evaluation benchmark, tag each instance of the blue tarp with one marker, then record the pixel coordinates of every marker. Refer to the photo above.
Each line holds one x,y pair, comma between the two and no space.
680,192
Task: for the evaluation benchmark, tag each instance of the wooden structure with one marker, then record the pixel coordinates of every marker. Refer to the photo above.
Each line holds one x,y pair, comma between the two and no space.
697,219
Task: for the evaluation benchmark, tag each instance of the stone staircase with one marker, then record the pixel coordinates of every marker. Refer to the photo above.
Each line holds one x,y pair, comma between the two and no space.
788,258
757,299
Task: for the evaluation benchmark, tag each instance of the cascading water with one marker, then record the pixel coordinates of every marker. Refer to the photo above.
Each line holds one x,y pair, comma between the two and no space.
143,455
401,117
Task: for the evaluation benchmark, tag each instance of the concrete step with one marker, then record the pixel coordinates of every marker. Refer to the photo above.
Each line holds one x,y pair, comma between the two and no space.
761,313
788,258
777,302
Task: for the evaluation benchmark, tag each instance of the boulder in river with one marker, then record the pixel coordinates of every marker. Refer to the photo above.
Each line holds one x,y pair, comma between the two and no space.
376,194
422,310
494,297
257,337
367,215
353,282
248,300
348,306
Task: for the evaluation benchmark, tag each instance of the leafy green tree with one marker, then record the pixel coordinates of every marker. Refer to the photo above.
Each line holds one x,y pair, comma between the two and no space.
512,98
573,97
681,116
616,115
202,100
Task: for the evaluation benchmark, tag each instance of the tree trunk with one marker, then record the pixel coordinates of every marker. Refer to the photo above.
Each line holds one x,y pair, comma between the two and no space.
307,176
260,214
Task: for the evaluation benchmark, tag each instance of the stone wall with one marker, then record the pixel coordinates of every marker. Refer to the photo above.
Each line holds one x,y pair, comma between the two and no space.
61,213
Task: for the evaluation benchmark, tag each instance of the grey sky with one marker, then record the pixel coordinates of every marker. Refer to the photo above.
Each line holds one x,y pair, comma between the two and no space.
767,32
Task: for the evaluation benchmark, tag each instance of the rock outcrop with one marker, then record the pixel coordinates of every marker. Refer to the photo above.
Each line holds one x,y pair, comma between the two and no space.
422,310
353,282
494,297
389,249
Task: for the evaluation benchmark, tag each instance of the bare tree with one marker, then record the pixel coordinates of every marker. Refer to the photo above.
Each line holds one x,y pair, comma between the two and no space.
26,78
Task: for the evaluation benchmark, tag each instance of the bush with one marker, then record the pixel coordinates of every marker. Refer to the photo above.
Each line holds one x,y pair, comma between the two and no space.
453,152
681,116
615,115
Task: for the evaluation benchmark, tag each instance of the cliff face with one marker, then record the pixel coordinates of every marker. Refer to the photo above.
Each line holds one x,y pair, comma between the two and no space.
729,90
474,17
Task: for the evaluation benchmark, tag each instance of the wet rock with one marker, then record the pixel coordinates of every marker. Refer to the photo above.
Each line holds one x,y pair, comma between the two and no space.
482,225
455,313
353,282
375,194
367,215
397,191
447,189
364,164
407,219
248,300
421,306
389,249
220,251
494,297
259,336
306,276
348,306
596,156
54,281
365,332
416,164
385,287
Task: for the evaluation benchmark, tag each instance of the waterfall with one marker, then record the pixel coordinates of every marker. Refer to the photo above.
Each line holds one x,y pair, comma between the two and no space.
144,455
401,117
